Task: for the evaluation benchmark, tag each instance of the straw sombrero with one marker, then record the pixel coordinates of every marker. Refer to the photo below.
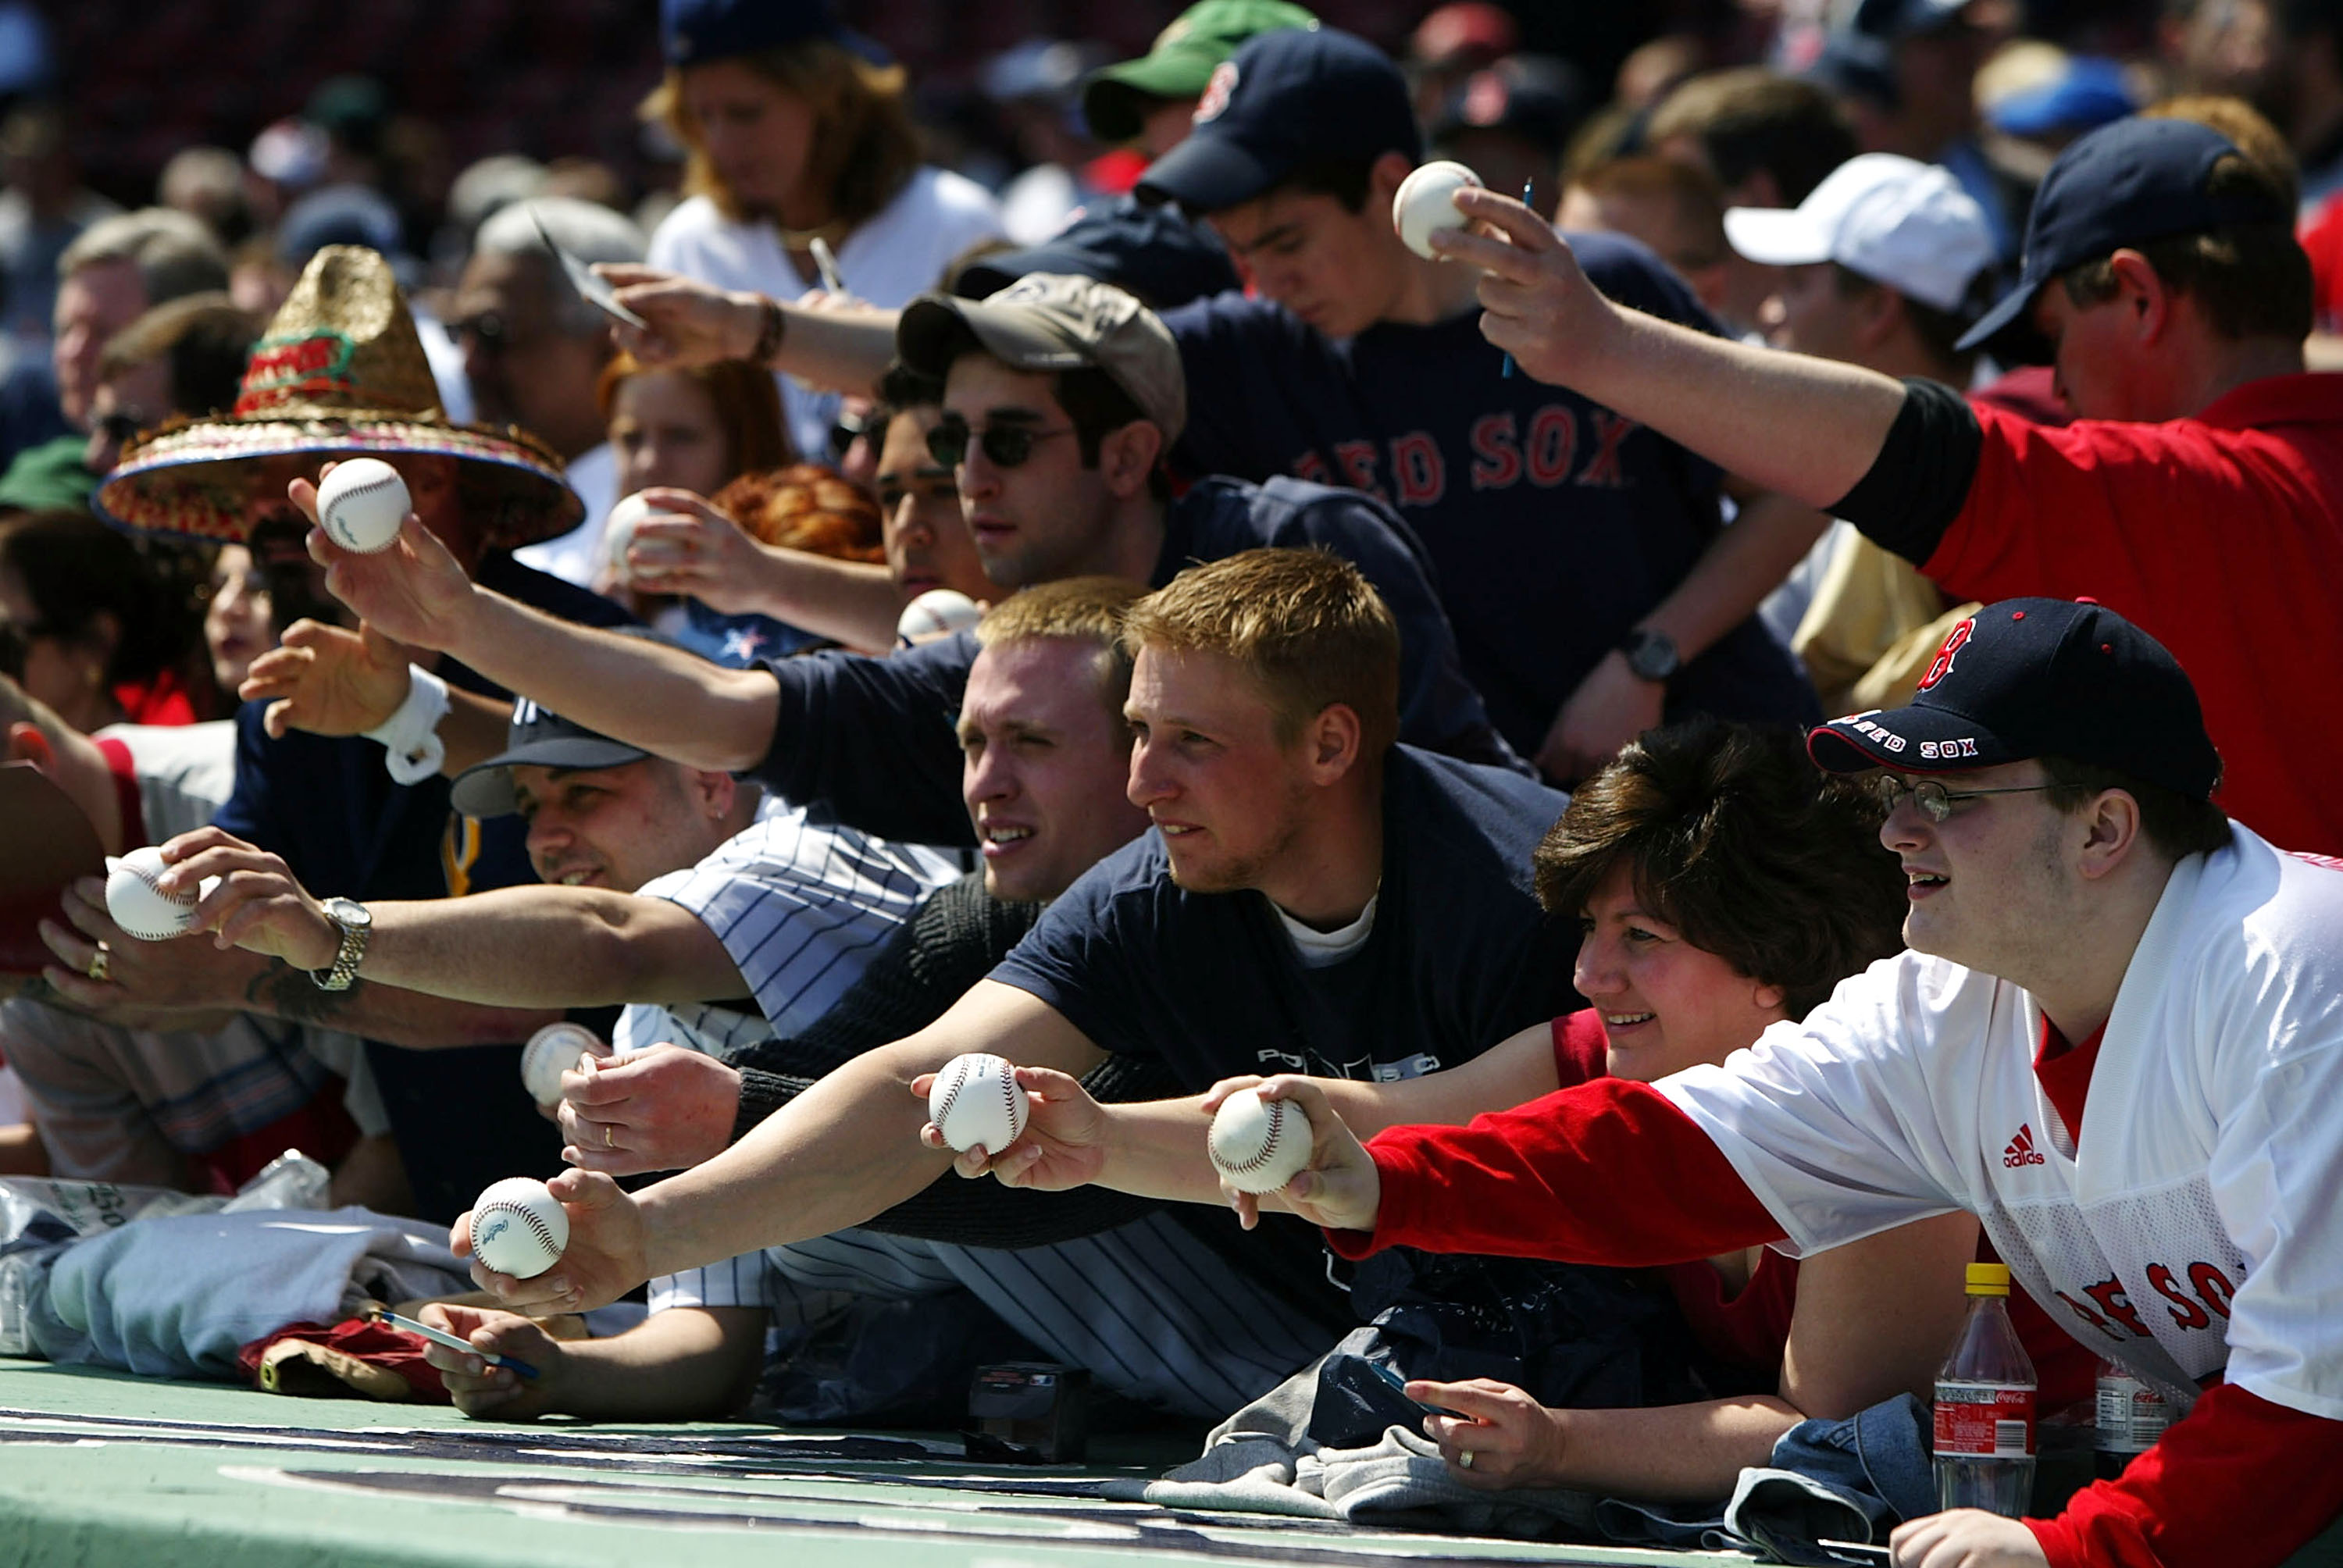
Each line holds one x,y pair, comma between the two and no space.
340,371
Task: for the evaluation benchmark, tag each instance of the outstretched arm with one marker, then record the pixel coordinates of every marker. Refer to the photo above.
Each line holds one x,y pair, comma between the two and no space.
1806,427
838,344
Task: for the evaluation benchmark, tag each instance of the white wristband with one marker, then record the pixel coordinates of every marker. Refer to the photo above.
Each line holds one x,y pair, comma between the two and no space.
412,734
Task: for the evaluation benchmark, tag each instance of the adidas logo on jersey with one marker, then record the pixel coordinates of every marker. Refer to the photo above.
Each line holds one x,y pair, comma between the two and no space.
2021,1149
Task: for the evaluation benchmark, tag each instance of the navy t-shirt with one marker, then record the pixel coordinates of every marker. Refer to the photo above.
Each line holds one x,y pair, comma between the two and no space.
870,739
1552,524
328,804
1459,958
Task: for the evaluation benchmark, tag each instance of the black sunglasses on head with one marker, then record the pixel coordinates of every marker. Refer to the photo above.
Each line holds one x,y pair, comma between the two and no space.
1004,446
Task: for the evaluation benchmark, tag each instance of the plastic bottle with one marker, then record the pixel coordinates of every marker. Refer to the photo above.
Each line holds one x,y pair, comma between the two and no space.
2131,1417
1984,1406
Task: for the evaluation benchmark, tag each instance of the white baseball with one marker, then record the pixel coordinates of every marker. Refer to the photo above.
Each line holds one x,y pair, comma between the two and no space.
518,1227
976,1099
361,504
1259,1145
141,908
555,1049
1426,203
618,531
939,612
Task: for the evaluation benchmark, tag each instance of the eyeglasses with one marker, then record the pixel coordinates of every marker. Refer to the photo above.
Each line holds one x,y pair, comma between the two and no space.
1933,798
494,333
1004,446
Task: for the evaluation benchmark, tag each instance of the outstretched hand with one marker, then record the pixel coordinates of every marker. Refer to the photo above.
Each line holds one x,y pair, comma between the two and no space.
328,681
1513,1439
687,547
664,1108
1536,304
608,1253
481,1390
1064,1143
411,591
1340,1190
685,322
257,903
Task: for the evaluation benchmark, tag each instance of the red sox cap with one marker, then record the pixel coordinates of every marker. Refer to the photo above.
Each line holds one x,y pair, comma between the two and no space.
2038,677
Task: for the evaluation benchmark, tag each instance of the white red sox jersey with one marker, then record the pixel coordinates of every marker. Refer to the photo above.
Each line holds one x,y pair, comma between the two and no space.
2196,1227
800,906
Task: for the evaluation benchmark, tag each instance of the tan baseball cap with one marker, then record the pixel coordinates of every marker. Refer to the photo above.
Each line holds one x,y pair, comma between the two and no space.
1046,321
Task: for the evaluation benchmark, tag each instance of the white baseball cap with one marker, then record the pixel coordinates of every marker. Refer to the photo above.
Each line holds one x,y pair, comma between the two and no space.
1895,220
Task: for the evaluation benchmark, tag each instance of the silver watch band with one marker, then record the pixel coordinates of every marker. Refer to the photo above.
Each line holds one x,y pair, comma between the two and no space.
347,957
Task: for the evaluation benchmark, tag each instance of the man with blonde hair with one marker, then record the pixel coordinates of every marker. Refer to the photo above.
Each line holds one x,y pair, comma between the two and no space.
1313,898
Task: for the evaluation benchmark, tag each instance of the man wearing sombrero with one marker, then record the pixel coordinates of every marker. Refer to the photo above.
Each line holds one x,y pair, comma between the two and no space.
341,373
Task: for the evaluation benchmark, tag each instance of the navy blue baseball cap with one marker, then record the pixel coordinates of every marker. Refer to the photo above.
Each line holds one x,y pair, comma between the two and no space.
1151,252
536,738
2038,677
2124,184
1282,100
694,32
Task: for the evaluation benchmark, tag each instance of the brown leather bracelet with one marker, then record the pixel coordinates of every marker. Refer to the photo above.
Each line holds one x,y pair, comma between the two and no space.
768,340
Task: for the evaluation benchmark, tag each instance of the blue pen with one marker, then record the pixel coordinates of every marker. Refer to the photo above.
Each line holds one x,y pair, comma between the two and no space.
1527,186
513,1364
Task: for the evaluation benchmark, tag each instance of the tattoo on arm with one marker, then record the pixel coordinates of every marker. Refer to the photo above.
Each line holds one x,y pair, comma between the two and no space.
280,991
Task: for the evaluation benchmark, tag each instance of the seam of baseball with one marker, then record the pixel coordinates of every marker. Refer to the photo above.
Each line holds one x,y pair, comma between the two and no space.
1275,1110
538,1227
951,1096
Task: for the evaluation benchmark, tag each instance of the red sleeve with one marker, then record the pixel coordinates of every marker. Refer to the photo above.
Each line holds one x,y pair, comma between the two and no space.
1582,1050
2239,1481
1544,1181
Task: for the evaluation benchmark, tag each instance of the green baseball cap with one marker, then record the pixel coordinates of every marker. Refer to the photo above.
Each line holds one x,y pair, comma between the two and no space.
1116,98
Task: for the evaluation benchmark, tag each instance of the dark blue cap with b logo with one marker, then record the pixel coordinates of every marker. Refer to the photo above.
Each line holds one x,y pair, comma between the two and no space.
536,738
2038,677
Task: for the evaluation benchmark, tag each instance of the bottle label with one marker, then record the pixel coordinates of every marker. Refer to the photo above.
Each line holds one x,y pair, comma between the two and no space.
1991,1420
2131,1415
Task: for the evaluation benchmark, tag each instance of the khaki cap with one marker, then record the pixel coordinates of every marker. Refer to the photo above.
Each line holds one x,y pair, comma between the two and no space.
1046,321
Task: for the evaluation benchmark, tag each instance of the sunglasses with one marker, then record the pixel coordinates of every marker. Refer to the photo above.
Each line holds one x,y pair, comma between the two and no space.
1933,798
495,333
1004,446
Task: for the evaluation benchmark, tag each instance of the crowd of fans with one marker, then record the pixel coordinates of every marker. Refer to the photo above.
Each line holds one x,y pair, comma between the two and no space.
1364,633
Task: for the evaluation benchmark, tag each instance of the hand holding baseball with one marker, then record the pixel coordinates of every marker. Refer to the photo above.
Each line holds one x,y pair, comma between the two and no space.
1064,1143
684,546
328,681
480,1390
411,591
148,985
258,905
1340,1189
1536,304
665,1108
607,1256
1515,1441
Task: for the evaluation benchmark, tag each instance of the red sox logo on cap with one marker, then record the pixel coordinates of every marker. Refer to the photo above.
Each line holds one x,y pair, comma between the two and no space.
1942,666
1223,82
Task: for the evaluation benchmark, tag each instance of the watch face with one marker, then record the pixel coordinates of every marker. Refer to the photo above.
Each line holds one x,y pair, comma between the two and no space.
350,911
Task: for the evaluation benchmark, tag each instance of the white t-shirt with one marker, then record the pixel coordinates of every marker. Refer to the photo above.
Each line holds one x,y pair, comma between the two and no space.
2199,1224
898,254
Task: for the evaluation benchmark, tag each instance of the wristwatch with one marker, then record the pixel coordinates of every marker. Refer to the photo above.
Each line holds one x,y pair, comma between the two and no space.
357,923
1651,655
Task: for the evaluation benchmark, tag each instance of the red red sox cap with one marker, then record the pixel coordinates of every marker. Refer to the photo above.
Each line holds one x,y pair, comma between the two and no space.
2038,677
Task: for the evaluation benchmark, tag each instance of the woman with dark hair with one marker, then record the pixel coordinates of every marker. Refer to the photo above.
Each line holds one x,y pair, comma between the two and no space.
89,628
1723,884
796,131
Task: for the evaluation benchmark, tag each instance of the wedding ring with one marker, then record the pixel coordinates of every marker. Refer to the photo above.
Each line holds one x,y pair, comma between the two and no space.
609,1136
1464,1460
101,964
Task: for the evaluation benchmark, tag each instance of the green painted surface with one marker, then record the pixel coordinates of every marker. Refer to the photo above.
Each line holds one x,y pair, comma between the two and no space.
111,1472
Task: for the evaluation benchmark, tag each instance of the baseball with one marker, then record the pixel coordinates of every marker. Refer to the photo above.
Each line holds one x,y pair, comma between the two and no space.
1259,1145
555,1049
518,1228
361,504
618,531
977,1100
939,612
142,908
1426,202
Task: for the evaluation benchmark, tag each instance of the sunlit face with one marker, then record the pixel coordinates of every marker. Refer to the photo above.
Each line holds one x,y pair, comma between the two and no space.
612,828
1208,767
1989,887
664,431
758,134
2097,358
1043,764
526,366
1048,517
1338,270
239,623
1810,314
1665,1004
928,544
93,304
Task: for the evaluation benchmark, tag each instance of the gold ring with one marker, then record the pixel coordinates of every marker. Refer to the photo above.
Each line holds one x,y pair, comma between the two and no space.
1464,1460
609,1136
101,964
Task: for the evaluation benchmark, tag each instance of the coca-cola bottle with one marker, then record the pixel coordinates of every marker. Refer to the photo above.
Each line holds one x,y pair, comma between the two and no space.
2131,1416
1984,1406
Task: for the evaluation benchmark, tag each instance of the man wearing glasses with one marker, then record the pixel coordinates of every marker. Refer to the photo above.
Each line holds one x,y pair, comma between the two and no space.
1060,396
2089,933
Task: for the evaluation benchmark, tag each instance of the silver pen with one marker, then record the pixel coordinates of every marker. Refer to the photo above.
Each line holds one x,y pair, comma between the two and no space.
441,1337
